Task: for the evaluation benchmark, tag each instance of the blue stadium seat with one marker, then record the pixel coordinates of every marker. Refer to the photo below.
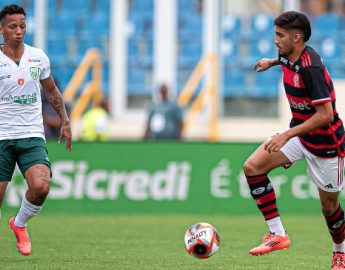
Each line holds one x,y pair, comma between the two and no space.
183,76
29,39
141,5
10,2
261,25
140,51
190,49
105,79
142,23
189,54
331,52
85,42
192,22
70,7
138,82
336,72
98,24
230,53
62,76
265,85
133,51
57,50
234,83
231,26
261,48
103,5
64,24
327,24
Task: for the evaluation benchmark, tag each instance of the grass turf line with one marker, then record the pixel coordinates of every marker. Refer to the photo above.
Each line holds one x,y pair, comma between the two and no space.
156,242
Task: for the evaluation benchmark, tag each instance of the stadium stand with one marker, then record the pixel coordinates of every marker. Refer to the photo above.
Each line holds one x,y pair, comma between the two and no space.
140,47
259,48
244,41
330,50
70,36
325,25
264,84
232,26
189,39
234,84
230,52
261,25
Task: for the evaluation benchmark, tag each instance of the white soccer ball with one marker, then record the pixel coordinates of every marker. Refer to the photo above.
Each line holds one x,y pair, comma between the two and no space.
202,240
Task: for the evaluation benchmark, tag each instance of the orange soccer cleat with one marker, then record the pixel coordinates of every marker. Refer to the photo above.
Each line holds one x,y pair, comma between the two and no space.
271,242
338,261
23,240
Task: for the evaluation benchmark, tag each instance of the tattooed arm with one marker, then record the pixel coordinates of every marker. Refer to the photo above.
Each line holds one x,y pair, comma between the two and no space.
55,98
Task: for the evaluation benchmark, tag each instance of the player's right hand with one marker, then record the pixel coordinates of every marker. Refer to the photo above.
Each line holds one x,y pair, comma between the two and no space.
262,65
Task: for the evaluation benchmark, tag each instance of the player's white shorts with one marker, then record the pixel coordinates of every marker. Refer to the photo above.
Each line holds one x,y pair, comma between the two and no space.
326,173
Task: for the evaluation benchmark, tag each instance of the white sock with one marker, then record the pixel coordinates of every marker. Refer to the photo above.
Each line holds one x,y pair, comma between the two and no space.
276,226
27,210
339,247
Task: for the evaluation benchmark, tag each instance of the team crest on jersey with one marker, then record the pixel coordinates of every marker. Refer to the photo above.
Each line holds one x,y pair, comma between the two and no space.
296,81
35,72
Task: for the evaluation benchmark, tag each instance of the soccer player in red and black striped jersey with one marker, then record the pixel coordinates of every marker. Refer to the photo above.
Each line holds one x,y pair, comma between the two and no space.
316,133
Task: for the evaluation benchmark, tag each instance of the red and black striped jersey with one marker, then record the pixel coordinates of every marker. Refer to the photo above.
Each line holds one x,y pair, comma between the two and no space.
308,83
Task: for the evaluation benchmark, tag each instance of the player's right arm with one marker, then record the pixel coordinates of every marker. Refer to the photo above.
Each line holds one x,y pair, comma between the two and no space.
265,63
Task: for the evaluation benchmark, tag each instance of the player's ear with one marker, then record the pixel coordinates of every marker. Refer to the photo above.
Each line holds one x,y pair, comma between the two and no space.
297,37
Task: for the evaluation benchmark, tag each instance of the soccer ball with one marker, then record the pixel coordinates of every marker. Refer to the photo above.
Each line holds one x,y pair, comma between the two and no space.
202,240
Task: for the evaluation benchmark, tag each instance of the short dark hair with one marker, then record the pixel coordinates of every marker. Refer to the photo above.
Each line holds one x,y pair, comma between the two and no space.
294,20
11,9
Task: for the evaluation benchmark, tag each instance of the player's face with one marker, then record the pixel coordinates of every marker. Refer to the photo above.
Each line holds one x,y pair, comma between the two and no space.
13,29
284,41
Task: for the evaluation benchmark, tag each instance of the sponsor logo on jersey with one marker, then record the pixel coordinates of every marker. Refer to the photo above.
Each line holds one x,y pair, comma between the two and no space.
299,105
20,81
4,65
35,72
22,99
30,60
5,77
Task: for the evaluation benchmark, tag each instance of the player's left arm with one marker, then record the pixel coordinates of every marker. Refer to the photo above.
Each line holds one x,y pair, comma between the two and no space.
55,98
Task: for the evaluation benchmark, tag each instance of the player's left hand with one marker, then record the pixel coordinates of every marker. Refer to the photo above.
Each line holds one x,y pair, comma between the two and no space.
67,134
276,142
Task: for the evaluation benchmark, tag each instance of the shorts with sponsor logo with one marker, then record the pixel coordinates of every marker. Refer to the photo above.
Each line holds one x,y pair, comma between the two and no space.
326,173
23,152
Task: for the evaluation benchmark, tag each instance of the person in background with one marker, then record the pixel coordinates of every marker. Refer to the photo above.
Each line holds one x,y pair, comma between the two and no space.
25,70
165,118
95,123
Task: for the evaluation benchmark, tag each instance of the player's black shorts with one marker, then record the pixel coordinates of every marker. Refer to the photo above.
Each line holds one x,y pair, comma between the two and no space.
25,152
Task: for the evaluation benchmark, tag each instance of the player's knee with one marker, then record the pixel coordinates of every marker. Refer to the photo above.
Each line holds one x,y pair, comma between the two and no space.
329,208
42,189
249,168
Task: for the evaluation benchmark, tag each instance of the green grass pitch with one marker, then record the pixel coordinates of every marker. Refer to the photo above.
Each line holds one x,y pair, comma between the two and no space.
156,242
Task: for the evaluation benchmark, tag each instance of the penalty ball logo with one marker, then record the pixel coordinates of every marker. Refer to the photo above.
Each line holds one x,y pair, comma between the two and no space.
202,240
